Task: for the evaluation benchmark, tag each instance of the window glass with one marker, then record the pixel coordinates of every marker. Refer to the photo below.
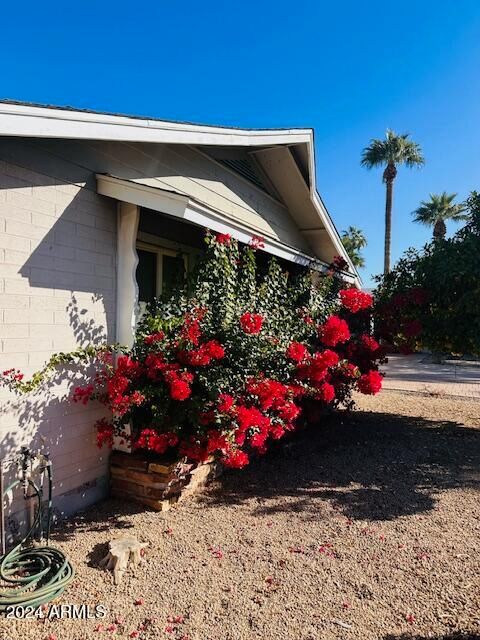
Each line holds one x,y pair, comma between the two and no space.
173,273
146,275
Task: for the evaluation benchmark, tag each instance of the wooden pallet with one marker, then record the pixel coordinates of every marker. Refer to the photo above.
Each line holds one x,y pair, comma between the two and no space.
157,483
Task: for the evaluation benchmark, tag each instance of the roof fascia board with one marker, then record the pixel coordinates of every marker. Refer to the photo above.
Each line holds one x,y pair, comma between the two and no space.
38,122
325,216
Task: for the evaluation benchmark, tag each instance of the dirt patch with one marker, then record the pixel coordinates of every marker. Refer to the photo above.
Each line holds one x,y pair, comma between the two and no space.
365,528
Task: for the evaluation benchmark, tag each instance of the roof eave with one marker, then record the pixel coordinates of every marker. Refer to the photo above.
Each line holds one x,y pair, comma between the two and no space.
21,120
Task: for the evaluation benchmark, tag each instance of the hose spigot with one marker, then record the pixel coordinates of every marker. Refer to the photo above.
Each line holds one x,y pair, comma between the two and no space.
26,456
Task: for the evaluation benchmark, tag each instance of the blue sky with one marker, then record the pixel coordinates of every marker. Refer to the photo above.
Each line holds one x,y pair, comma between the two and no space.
349,69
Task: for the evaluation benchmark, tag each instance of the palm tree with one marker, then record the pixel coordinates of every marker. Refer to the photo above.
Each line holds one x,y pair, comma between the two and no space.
435,211
391,152
354,240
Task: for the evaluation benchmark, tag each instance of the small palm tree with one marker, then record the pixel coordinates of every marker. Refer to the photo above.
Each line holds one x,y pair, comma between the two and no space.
354,241
391,152
435,211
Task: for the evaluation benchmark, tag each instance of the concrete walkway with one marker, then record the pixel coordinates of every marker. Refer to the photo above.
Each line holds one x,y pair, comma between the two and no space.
413,373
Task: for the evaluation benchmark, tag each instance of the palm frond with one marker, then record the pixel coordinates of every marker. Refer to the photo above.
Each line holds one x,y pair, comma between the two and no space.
394,149
440,207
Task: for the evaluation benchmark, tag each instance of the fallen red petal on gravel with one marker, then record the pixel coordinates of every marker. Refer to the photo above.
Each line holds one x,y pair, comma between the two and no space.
176,619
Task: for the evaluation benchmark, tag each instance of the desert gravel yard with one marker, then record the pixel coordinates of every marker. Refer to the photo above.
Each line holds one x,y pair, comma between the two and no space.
368,527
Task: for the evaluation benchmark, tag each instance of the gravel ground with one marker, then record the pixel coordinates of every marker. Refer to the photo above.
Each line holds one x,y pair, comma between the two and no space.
366,528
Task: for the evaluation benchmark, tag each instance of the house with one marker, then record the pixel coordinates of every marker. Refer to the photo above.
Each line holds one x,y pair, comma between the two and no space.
101,212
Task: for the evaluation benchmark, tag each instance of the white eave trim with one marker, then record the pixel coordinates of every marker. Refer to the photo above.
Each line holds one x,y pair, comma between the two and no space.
44,122
325,216
23,120
188,209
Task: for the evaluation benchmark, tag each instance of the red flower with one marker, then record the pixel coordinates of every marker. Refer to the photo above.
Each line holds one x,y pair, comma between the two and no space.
214,349
326,359
289,411
350,370
370,383
355,300
179,389
225,402
223,238
251,323
277,431
271,393
82,394
257,242
412,328
216,441
152,441
191,330
137,398
258,439
297,351
326,392
154,337
14,375
369,344
195,358
339,263
128,367
333,331
155,364
104,433
248,417
235,459
193,450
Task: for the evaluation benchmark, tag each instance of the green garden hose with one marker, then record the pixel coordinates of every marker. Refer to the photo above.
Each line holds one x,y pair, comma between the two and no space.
39,573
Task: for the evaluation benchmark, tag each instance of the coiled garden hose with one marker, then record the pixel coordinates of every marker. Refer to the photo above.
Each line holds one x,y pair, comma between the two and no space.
39,573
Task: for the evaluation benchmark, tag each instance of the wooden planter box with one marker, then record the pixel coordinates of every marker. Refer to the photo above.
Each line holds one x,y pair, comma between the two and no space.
155,482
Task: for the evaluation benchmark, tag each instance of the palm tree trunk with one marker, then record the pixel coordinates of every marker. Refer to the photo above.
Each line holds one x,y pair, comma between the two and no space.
388,176
439,230
388,227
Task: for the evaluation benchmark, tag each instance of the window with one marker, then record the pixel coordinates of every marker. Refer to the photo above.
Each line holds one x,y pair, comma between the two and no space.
159,271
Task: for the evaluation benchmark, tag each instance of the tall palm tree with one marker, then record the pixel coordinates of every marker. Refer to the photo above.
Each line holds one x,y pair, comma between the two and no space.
354,240
435,211
391,152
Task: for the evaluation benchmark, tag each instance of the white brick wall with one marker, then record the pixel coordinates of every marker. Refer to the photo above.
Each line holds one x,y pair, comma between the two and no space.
57,275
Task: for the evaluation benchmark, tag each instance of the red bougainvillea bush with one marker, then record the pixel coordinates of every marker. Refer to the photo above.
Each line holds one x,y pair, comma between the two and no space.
236,359
431,298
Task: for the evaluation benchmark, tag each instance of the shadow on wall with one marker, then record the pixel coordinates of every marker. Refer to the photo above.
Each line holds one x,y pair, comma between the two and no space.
370,466
60,273
49,423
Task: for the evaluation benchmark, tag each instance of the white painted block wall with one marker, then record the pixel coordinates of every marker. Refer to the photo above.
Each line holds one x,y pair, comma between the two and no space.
57,291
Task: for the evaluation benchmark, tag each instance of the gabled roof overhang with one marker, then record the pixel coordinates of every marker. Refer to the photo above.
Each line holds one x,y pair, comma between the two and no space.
271,148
